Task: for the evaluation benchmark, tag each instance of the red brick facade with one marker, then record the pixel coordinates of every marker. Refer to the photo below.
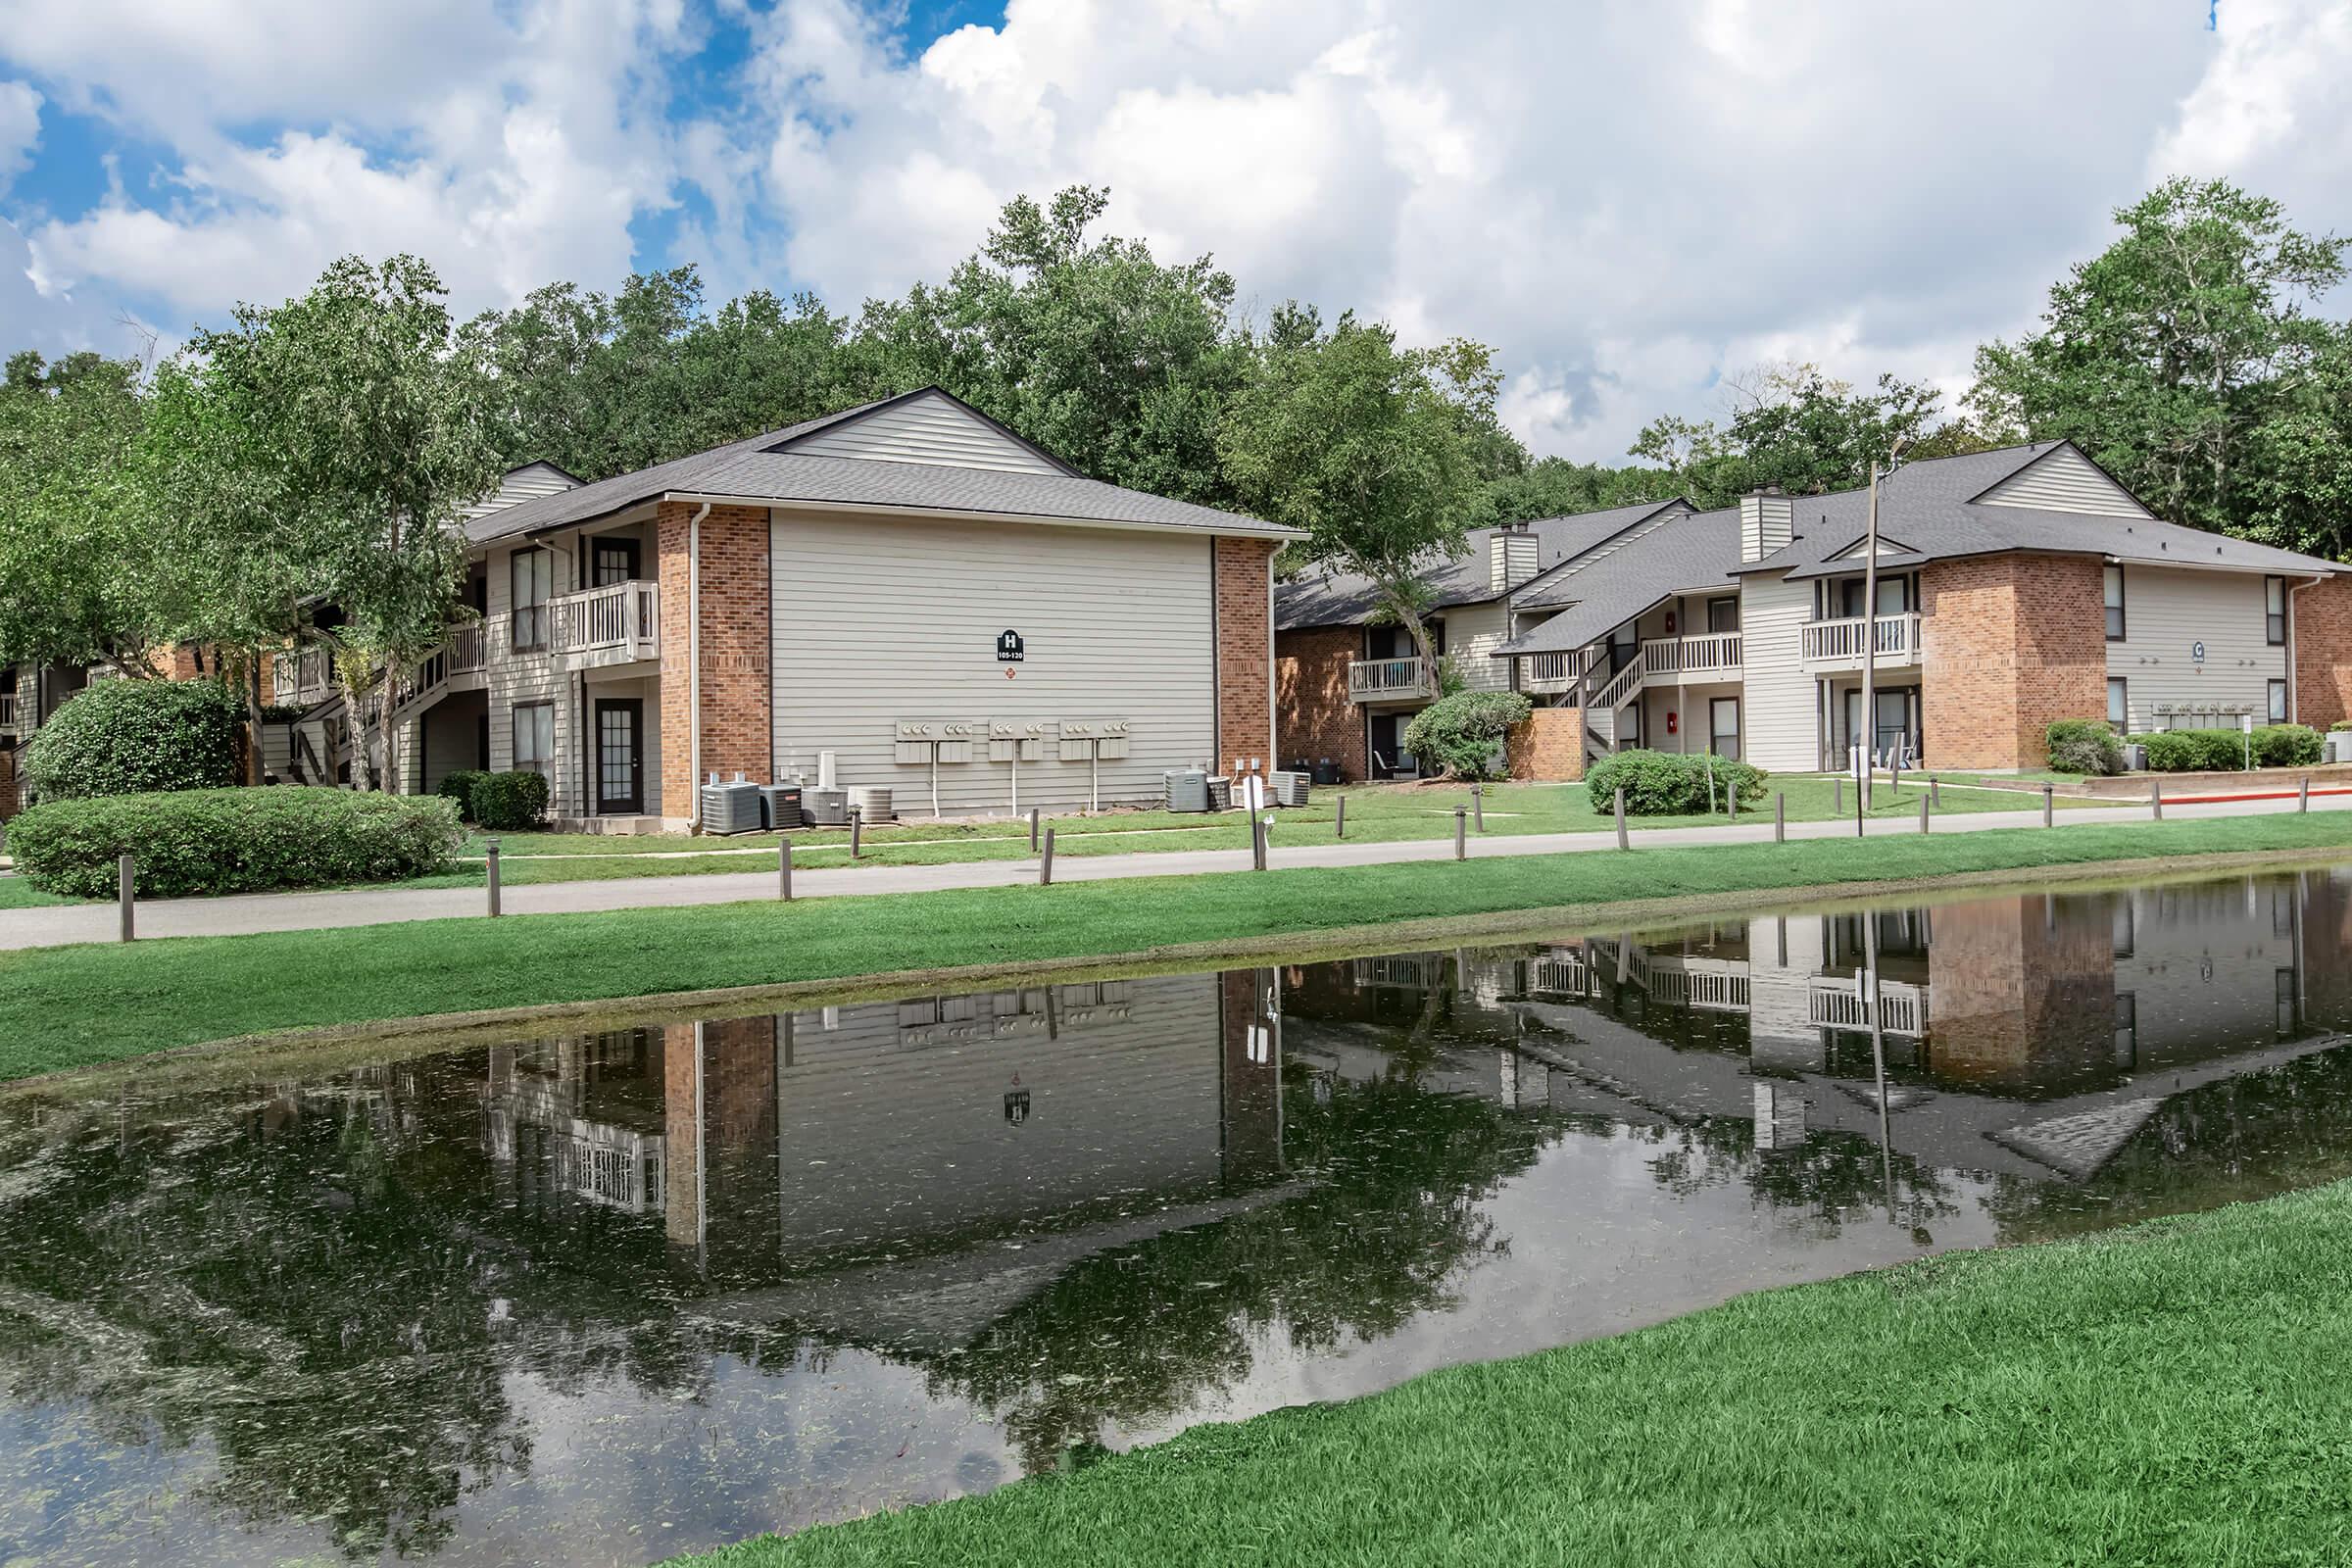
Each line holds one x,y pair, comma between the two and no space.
1317,718
8,782
737,603
2015,642
2323,653
1244,643
1549,747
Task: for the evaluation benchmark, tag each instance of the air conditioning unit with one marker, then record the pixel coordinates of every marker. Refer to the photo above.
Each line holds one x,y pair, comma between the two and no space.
1290,789
731,808
871,802
1220,795
779,806
2136,758
2337,747
826,807
1187,789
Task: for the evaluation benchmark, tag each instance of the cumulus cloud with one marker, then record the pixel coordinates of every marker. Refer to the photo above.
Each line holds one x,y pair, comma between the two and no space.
20,128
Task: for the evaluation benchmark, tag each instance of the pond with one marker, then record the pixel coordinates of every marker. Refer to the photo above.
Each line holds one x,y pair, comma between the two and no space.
600,1298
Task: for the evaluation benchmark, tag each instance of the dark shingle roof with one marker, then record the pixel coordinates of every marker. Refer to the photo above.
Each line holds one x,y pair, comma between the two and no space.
1693,552
1340,599
755,470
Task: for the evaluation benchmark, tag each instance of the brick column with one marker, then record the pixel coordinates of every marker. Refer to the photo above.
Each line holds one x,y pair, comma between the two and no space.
2015,642
1549,747
1313,713
1244,633
8,782
2323,653
737,606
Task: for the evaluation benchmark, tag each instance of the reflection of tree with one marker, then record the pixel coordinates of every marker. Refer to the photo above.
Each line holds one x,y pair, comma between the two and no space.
1825,1177
2251,1135
1136,1334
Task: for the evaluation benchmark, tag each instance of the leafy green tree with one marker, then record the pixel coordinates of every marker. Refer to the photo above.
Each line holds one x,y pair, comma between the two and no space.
1798,428
2170,355
1555,487
1368,447
2299,489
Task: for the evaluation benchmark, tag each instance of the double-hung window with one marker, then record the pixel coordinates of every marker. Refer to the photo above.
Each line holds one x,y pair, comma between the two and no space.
534,583
2278,696
2114,589
535,739
2273,610
2119,704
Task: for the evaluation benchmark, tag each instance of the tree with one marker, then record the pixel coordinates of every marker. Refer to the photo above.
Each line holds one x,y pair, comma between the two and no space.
2170,356
326,450
2298,487
83,579
1367,447
1555,487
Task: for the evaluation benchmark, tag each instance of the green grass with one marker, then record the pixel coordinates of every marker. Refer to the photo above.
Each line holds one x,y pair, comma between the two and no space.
74,1005
2173,1394
17,894
1376,813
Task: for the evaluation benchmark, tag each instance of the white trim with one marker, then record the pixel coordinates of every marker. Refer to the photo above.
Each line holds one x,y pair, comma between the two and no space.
1241,529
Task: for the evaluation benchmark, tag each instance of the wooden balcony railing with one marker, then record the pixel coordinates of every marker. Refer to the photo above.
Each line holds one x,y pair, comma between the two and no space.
1715,654
620,622
1372,680
1841,642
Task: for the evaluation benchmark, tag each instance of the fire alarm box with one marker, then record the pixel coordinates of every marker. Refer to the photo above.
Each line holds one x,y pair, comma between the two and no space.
1670,624
1673,722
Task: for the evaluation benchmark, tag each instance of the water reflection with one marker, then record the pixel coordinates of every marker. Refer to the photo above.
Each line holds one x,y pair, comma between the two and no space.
607,1298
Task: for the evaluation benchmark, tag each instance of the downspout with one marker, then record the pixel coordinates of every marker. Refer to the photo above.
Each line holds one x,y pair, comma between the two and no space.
2294,678
693,661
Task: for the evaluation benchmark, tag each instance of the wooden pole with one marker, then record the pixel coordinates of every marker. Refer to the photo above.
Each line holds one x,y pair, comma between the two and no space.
125,883
1478,804
1032,830
491,853
1935,791
1461,833
2049,813
1621,819
856,831
2156,797
1045,863
2303,792
784,870
1923,814
1838,795
1780,816
1338,818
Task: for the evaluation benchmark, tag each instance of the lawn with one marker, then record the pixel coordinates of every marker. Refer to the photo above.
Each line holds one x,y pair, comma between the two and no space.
1376,813
17,894
2173,1393
70,1006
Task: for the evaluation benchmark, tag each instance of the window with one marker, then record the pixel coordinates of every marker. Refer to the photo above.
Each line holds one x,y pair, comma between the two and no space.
2278,702
534,579
613,560
535,739
1723,616
2273,610
2119,705
1723,734
2114,604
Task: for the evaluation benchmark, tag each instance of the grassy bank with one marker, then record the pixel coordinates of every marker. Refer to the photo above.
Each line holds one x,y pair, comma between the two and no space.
71,1007
2168,1394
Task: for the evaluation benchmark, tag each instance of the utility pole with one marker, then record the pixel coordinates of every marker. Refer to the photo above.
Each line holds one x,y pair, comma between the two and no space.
1870,638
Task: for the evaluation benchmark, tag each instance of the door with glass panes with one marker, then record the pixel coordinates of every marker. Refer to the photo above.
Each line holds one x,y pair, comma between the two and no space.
620,755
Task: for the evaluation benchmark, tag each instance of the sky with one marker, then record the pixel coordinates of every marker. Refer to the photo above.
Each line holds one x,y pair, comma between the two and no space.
1629,199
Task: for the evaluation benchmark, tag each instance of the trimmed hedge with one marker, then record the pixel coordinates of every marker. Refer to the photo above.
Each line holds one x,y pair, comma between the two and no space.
1466,734
458,785
1669,783
2224,751
504,803
2084,746
136,737
232,840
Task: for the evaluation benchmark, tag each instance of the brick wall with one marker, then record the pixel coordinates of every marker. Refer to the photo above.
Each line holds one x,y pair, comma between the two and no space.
736,606
1244,650
1313,712
8,782
2323,653
1549,747
2015,642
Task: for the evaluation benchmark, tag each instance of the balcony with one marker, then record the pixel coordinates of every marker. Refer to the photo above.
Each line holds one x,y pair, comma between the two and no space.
1390,680
302,677
1841,644
618,623
8,713
1544,673
1713,657
1840,1004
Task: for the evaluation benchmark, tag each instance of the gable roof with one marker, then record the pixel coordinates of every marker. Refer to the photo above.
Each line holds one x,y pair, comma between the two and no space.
1696,551
1344,599
774,467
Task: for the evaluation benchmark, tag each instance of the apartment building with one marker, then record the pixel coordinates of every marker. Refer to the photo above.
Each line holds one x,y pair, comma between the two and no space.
2015,588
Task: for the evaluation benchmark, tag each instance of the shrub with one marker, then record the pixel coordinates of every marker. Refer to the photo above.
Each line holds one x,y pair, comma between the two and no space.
2084,746
131,737
2224,751
458,785
504,802
1465,734
1669,783
2286,746
232,840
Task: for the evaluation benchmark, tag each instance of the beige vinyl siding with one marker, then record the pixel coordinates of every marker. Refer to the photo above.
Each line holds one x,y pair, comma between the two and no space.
513,678
1778,716
2065,480
2167,611
526,483
928,429
1693,715
882,619
1784,954
1472,633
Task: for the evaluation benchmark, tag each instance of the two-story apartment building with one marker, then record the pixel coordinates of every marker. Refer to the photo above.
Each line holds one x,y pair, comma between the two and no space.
2015,588
951,612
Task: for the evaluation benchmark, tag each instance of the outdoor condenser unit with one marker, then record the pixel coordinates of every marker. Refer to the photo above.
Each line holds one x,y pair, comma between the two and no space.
730,808
1290,789
2136,758
872,802
824,806
1187,789
780,806
1220,795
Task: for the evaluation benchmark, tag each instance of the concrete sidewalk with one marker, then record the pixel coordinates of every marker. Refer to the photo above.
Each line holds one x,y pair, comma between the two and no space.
310,911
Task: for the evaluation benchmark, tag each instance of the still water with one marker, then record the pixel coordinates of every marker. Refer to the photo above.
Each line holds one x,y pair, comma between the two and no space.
603,1299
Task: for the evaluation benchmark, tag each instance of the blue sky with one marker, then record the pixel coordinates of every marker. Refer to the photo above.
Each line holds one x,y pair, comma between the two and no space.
1631,199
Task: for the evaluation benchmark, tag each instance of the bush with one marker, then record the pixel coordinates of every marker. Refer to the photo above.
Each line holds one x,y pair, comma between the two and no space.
1465,734
504,802
2224,751
1669,783
2286,746
132,737
232,840
458,785
2084,746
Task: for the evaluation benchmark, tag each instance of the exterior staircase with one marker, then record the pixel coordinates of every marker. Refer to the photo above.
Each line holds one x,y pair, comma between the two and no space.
1606,709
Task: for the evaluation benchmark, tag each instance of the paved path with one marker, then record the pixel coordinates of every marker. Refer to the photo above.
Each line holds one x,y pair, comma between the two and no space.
307,911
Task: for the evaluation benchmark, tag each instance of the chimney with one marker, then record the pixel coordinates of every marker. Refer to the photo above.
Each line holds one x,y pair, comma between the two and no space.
1511,557
1767,522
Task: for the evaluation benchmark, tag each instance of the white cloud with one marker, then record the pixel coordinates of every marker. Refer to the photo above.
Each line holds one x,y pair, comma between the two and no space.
2271,112
20,128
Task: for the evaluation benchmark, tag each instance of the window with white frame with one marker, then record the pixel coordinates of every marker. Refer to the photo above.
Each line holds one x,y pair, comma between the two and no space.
2273,610
2114,588
2119,704
534,583
2278,702
535,739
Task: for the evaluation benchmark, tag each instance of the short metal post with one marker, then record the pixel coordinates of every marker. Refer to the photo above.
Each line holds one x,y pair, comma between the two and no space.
125,879
1621,819
1923,814
1935,791
491,850
2049,813
784,870
1478,805
1461,833
1045,863
856,831
2156,797
1032,830
1780,816
1338,818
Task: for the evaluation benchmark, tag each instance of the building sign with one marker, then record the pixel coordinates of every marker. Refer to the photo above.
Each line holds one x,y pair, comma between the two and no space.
1010,648
2196,652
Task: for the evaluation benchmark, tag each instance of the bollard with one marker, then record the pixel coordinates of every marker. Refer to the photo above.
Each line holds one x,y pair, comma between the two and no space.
1032,830
1257,842
2156,797
2303,792
1621,819
1339,819
1935,791
1710,765
1478,804
126,882
856,831
1461,835
784,870
1780,818
1838,795
1923,813
492,852
2049,815
1045,863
